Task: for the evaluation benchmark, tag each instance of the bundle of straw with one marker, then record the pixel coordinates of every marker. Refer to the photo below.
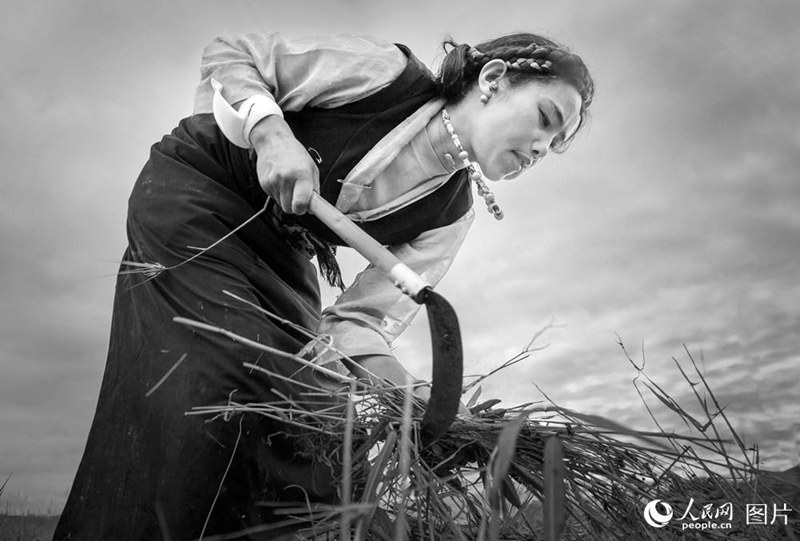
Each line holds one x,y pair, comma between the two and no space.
534,471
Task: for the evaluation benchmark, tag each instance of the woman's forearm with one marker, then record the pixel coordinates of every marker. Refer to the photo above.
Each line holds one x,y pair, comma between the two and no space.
380,367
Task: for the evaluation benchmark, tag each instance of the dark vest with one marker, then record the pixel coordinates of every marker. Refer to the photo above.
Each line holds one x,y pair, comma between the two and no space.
342,136
337,139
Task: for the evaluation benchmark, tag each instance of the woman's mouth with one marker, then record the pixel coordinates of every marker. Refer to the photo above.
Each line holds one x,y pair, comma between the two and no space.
524,161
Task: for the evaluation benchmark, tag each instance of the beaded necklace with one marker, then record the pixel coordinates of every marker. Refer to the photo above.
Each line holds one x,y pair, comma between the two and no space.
474,170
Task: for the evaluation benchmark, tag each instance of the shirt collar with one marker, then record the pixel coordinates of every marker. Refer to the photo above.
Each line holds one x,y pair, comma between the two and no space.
382,154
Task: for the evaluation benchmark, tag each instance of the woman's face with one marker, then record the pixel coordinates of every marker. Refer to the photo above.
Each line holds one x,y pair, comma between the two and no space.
520,123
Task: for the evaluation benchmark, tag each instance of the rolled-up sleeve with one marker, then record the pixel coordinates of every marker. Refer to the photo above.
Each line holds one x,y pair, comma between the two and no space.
372,312
318,72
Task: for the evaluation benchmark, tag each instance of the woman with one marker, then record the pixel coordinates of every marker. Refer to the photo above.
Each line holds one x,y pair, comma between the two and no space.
364,123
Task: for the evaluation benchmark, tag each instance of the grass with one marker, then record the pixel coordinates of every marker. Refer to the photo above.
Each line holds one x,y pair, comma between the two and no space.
533,471
27,527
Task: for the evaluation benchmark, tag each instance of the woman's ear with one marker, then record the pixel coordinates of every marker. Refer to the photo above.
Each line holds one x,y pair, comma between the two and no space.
491,72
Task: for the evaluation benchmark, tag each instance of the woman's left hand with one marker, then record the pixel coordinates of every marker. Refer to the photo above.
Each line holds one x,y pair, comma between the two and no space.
424,392
389,368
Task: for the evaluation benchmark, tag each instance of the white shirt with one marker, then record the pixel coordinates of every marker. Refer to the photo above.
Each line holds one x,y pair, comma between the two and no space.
328,72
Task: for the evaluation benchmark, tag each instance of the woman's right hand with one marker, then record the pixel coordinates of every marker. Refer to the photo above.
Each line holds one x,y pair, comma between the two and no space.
285,169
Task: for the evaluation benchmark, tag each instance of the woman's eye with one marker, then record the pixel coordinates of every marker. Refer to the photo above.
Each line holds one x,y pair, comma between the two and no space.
544,119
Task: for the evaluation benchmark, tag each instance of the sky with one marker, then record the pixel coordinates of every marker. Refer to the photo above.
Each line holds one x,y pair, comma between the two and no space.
671,224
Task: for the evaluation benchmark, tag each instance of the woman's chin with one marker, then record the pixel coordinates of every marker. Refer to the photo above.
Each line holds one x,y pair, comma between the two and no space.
494,174
512,175
502,172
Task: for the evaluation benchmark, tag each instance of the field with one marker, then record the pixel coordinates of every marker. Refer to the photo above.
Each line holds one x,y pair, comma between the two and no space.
27,527
534,471
530,472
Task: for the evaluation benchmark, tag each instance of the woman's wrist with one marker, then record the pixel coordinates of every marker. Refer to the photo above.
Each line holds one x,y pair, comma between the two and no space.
268,130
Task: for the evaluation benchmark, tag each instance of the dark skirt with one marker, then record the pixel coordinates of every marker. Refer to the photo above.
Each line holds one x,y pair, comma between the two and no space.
149,471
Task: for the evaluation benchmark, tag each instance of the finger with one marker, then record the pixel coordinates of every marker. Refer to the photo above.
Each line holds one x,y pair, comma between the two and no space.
286,195
315,177
302,195
267,179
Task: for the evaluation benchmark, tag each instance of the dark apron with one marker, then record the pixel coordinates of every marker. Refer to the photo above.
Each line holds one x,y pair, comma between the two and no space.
149,471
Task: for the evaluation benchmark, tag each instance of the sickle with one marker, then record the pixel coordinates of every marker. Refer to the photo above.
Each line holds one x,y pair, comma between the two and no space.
447,370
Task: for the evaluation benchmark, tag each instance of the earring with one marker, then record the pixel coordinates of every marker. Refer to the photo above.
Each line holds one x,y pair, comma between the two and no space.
492,89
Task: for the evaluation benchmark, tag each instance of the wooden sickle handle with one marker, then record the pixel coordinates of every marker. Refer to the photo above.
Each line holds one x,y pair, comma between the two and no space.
445,331
408,281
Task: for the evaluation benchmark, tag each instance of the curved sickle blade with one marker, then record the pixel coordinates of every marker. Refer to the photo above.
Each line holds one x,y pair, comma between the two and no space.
445,333
448,367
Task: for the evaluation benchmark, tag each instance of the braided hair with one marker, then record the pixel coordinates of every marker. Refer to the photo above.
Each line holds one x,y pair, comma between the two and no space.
527,56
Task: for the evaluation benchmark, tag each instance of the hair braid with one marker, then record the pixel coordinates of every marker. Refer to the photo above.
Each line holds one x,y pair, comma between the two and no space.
542,59
527,57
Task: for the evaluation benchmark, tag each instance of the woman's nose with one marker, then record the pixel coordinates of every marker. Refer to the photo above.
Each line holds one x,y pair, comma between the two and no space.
542,143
